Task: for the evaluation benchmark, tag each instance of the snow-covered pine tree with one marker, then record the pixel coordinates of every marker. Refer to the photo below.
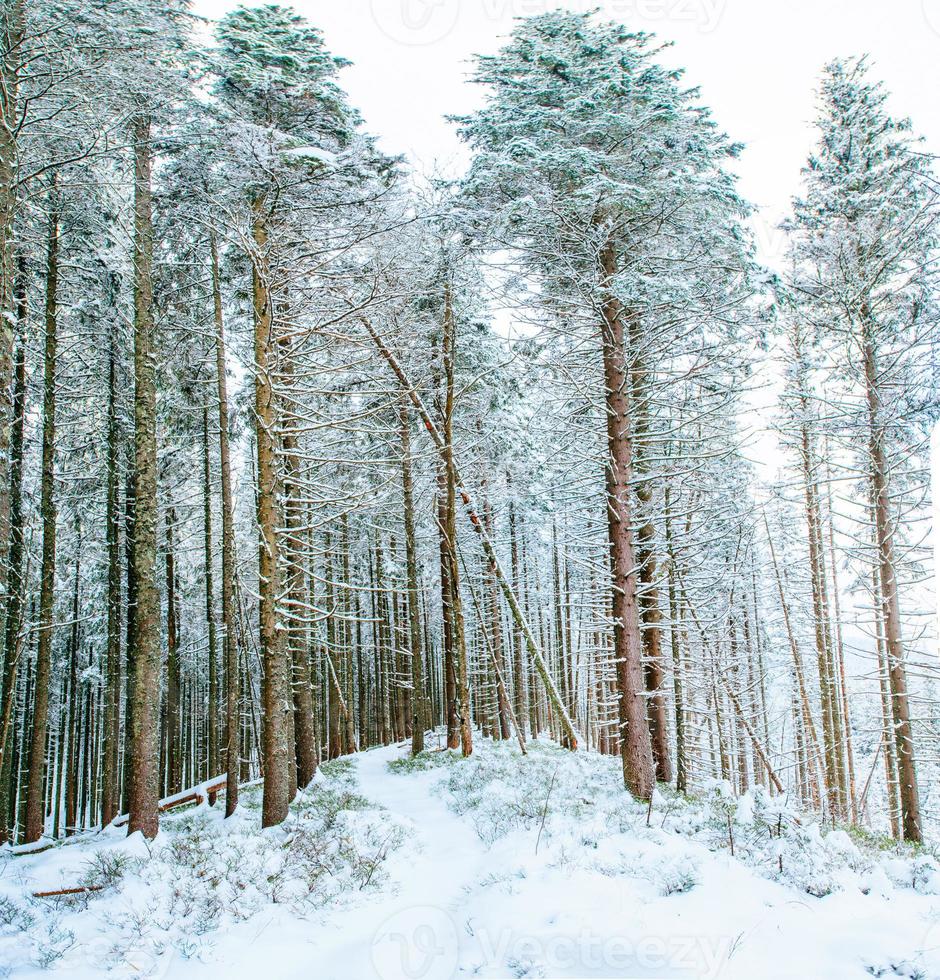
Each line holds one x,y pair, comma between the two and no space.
290,138
609,178
865,235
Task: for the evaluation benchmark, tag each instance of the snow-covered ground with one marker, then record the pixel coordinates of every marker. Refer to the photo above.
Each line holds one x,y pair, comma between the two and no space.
496,866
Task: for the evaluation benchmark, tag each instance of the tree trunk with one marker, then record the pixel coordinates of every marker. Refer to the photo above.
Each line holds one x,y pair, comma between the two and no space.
564,672
334,730
73,729
305,742
144,734
348,664
212,733
648,593
839,654
276,689
418,713
884,536
519,672
448,349
809,726
12,638
678,671
110,804
35,809
173,734
823,653
13,26
892,797
494,616
636,749
447,618
229,645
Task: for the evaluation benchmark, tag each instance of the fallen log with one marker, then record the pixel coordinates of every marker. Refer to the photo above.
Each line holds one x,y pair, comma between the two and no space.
79,890
196,794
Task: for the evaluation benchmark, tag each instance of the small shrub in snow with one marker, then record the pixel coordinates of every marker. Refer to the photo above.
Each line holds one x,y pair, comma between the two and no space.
424,761
14,917
903,969
723,805
676,878
524,967
52,943
504,880
105,869
919,873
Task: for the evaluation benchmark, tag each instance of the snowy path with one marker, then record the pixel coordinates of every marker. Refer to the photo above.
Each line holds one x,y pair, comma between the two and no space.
430,877
408,931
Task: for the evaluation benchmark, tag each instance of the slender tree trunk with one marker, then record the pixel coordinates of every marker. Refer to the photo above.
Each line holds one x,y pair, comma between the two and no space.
335,734
892,795
636,750
229,644
809,725
561,658
493,623
452,716
12,635
839,652
823,658
144,733
519,671
212,734
418,713
449,347
346,627
174,748
71,779
305,741
678,672
35,809
13,27
887,569
276,689
447,616
130,675
110,802
648,593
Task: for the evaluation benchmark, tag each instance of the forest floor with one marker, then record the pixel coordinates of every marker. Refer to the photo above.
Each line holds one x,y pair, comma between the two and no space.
494,866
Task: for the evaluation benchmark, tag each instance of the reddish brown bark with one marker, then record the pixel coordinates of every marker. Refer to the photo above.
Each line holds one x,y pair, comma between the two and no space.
276,687
636,750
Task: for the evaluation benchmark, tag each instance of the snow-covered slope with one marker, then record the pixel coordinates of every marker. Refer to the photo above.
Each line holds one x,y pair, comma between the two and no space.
496,866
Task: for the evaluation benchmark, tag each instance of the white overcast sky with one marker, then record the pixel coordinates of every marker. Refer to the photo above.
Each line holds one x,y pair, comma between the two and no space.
756,62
